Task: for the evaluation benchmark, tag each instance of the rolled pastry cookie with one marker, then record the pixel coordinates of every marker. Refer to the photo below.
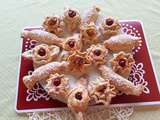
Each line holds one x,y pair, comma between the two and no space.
122,42
43,36
43,73
91,15
119,82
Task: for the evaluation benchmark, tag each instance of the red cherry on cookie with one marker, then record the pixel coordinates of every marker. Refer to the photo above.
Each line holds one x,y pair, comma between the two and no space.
42,52
78,96
102,90
109,22
71,13
97,52
122,62
57,81
71,44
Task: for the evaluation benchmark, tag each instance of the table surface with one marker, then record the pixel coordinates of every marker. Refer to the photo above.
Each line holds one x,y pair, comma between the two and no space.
16,14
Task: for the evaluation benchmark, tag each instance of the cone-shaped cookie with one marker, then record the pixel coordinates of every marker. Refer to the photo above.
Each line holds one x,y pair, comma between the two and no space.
73,43
122,42
43,73
119,82
43,36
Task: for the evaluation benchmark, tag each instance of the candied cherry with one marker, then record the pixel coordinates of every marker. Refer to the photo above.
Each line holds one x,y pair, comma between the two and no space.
71,13
109,22
122,62
42,52
71,43
78,96
97,52
57,81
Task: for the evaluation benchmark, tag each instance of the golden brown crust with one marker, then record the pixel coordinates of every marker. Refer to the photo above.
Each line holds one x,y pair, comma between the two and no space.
54,24
122,63
72,19
98,54
89,33
110,27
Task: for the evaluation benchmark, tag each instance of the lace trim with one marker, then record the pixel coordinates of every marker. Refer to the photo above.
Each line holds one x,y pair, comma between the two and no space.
115,113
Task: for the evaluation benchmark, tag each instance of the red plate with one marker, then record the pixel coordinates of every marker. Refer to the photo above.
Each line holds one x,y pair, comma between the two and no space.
142,72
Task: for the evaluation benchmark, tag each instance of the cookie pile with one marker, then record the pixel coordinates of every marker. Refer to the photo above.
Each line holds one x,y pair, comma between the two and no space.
82,61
